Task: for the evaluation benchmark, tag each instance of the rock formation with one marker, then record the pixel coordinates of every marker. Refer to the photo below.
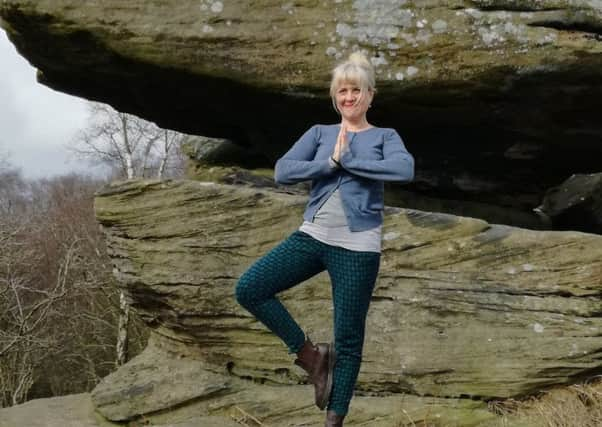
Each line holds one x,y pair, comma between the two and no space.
462,308
575,204
499,100
464,312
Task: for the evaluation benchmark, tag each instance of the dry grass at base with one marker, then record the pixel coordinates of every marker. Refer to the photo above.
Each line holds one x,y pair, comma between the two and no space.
242,417
578,405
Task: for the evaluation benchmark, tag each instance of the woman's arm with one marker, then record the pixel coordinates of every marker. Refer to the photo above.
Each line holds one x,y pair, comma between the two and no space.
298,163
397,164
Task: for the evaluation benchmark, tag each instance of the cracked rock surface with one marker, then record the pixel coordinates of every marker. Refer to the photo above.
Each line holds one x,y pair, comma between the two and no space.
462,308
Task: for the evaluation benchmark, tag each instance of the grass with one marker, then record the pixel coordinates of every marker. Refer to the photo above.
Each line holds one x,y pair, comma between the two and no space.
244,418
578,405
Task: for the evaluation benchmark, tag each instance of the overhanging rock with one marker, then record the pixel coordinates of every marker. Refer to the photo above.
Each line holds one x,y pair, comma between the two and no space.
498,100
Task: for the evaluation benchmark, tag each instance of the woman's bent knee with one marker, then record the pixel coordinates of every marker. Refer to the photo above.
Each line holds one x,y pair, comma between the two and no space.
244,291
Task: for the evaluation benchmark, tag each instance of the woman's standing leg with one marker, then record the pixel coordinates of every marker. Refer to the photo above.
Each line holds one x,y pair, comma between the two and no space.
293,261
353,275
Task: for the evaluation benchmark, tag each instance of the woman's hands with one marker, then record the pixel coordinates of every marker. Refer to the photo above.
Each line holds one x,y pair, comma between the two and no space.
341,145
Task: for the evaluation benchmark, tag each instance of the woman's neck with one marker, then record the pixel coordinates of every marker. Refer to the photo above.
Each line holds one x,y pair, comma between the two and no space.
356,125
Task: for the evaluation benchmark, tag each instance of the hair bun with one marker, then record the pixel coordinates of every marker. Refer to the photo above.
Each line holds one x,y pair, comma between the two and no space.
360,59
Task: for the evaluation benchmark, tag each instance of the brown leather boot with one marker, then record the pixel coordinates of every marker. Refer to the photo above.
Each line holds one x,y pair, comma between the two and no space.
318,361
333,420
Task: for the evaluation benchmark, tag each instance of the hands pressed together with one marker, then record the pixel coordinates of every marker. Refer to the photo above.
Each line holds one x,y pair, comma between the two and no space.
340,146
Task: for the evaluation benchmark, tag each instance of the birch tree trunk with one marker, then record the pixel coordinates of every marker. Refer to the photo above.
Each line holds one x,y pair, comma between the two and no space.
122,331
129,164
165,154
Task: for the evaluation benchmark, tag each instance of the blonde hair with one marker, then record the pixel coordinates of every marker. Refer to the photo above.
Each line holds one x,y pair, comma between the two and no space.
357,69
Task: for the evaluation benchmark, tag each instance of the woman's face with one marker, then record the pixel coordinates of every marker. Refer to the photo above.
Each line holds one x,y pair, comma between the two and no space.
347,96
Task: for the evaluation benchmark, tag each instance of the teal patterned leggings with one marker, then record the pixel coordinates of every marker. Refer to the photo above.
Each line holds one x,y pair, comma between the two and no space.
352,274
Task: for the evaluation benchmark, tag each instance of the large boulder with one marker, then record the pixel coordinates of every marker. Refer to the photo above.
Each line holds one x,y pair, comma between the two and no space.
575,204
498,99
462,308
171,382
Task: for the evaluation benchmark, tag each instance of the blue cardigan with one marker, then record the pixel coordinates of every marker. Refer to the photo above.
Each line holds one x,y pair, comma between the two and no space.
374,155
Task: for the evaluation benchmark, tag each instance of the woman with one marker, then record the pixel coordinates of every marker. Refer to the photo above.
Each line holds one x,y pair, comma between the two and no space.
341,233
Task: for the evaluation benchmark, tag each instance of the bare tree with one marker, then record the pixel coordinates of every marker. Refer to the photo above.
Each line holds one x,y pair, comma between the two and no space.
59,305
170,154
25,307
12,186
24,339
134,147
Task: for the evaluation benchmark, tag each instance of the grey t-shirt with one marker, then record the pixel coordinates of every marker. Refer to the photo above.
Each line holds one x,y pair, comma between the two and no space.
330,226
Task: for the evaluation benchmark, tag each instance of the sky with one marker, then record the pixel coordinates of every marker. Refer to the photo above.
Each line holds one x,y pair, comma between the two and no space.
36,122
